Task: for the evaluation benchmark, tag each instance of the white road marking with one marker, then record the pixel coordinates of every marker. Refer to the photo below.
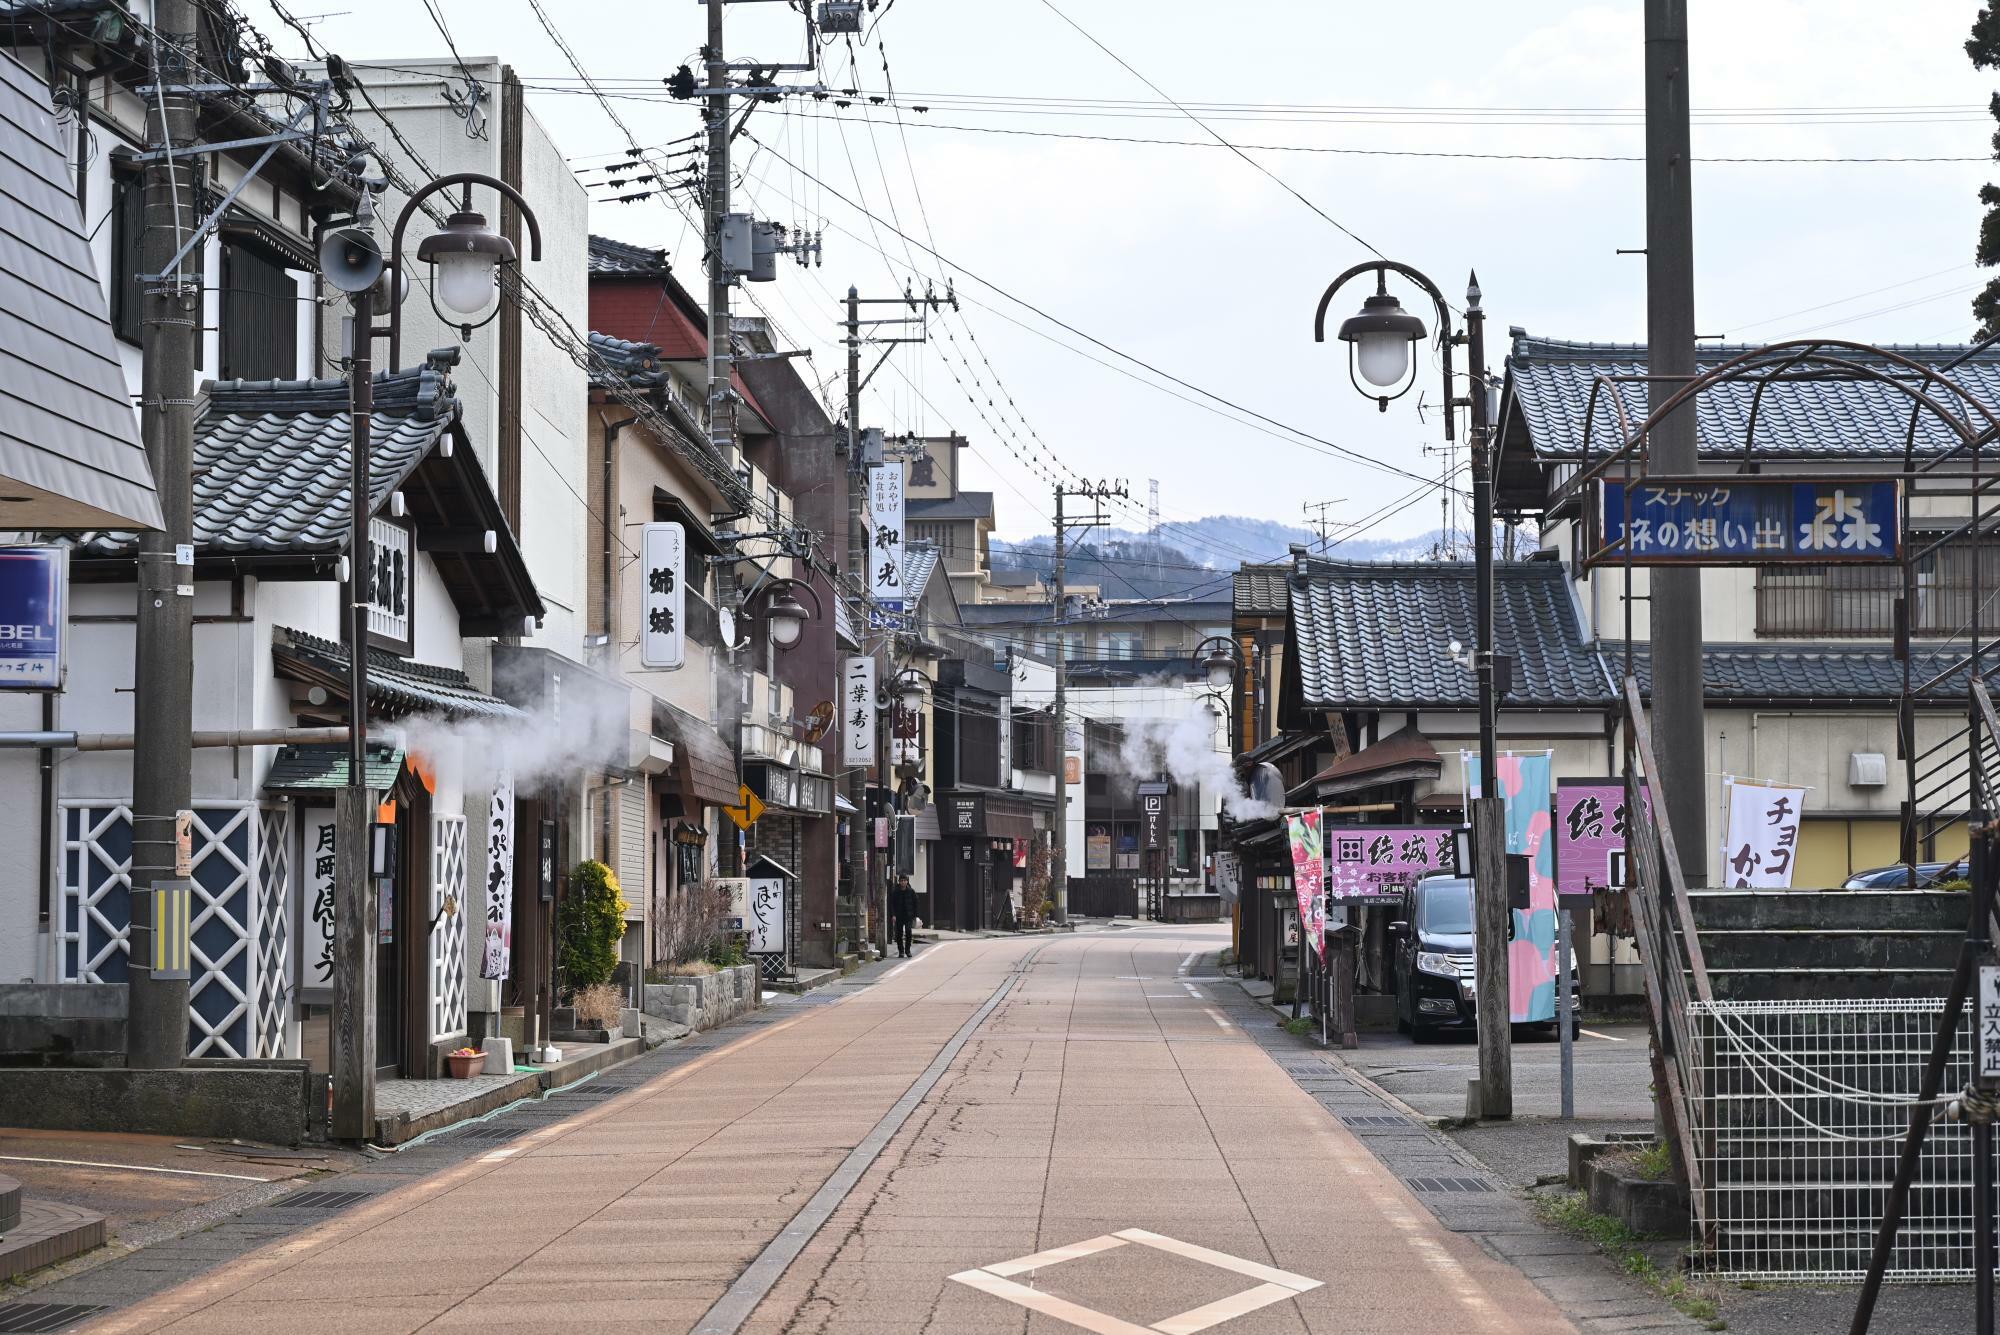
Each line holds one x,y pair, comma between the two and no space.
134,1168
1216,1016
898,969
1188,963
1608,1038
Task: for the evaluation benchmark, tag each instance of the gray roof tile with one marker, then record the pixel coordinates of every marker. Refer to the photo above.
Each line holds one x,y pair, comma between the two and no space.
1811,673
920,559
395,685
619,259
1377,636
1832,418
965,505
1261,590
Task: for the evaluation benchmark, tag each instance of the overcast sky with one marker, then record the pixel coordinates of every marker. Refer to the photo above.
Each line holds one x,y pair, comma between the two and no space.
1188,258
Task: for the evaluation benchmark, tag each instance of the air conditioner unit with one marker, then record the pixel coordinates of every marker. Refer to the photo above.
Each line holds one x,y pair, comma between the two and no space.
1867,769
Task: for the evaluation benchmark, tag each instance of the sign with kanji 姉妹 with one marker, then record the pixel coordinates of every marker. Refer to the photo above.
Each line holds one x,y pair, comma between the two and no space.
885,540
1749,521
1378,861
662,595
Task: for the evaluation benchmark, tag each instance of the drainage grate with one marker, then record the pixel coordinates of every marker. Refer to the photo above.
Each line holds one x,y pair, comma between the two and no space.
37,1318
1461,1184
1377,1122
593,1090
320,1200
490,1133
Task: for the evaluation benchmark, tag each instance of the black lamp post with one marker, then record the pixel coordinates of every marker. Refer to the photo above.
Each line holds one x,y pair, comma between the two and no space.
1380,338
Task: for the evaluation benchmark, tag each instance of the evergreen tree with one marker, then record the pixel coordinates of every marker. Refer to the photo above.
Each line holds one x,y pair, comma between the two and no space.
1983,46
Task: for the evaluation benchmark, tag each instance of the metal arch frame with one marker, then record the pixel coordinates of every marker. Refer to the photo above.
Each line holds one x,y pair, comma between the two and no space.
467,180
1445,337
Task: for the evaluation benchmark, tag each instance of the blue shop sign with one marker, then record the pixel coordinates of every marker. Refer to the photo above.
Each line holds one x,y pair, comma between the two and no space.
1751,521
32,581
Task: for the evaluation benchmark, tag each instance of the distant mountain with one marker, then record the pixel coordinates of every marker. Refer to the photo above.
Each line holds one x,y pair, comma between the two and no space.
1194,558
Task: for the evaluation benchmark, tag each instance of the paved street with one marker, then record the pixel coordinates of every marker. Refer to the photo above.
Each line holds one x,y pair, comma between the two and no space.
1100,1143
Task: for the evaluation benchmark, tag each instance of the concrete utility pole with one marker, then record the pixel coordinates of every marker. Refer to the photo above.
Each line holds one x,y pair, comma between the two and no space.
1097,519
1489,811
857,568
156,1031
1670,350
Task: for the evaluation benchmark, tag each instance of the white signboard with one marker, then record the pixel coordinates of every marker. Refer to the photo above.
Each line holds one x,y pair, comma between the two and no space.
662,596
765,921
317,835
857,711
390,578
1986,1014
1762,845
498,933
885,544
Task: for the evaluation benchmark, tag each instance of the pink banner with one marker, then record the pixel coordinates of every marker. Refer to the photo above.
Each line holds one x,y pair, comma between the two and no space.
1309,876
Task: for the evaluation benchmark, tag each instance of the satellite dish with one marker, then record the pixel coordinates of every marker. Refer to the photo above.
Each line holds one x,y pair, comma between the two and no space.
726,621
819,722
351,258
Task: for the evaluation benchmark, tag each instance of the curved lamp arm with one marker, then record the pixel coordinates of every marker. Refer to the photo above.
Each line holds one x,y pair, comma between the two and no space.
1381,269
468,180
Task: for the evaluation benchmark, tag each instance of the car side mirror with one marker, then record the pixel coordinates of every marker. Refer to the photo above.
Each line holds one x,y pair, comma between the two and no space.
1399,929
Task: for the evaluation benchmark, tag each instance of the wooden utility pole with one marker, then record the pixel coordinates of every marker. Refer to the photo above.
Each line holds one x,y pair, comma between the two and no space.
156,1031
1675,621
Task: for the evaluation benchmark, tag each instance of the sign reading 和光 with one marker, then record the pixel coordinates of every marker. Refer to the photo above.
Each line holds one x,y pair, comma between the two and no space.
1739,520
885,515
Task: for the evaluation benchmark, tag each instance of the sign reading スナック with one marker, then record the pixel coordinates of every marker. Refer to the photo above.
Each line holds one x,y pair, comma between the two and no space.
1986,1014
1750,521
885,543
857,711
32,580
1366,862
1763,840
663,595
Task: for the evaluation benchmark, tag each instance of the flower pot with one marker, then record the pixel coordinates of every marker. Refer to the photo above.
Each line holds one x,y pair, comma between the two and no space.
464,1068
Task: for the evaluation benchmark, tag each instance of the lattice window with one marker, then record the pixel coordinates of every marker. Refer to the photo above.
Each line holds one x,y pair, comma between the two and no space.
448,940
274,929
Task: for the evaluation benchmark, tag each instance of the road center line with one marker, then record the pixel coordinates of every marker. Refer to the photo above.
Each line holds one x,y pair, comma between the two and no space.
1608,1038
737,1305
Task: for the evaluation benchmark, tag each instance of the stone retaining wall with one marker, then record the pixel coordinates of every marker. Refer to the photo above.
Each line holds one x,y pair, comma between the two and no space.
707,1001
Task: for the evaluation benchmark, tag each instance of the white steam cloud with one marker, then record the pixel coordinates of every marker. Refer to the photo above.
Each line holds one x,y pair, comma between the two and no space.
585,731
1184,750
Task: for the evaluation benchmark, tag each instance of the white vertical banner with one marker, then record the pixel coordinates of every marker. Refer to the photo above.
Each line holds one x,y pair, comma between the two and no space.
885,541
765,921
663,595
499,900
318,834
1762,845
857,711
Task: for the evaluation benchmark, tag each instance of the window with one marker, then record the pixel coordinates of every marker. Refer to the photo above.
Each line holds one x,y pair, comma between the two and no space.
1123,644
259,333
1861,599
1034,742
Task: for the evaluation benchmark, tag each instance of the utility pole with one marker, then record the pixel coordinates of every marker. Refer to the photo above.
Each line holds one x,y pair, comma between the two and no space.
1492,917
156,1031
1096,494
1675,621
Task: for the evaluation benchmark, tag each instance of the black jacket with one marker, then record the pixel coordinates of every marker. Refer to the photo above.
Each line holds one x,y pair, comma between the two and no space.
902,903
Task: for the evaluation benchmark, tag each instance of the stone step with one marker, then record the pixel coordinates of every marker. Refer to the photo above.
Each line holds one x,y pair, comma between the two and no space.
1893,948
1827,984
1933,910
45,1233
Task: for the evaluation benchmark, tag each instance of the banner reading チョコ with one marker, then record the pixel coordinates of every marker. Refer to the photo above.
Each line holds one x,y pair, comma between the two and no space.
1309,875
1763,840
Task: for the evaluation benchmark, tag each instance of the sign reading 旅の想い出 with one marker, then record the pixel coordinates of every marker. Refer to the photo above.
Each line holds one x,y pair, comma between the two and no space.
1749,521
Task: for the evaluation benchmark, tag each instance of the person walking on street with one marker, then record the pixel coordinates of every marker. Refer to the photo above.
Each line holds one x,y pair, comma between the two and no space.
902,914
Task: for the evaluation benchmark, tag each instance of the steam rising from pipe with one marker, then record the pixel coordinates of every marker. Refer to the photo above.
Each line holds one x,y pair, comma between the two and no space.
1184,750
580,732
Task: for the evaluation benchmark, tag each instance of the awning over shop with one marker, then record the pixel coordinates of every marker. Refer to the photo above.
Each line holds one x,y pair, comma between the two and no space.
323,768
845,807
1404,756
927,823
1010,820
396,686
704,766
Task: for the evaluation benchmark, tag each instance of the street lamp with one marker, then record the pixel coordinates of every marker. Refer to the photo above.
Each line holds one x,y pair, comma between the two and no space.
1379,339
1220,664
911,688
465,259
785,616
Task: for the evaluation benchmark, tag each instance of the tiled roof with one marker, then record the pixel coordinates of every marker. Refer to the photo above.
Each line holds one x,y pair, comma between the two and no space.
68,436
312,768
843,625
639,365
1822,674
271,459
1261,590
1835,418
395,685
965,505
1378,636
920,559
618,259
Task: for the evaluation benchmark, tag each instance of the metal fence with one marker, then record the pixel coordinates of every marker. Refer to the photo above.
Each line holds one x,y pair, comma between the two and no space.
1799,1113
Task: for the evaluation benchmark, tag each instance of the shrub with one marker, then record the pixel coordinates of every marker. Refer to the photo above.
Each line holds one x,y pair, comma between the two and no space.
691,926
727,952
597,1006
589,925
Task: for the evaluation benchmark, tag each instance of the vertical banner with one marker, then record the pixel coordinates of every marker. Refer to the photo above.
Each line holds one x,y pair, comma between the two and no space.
764,921
1527,787
1309,875
497,951
1763,839
318,833
663,595
885,518
857,712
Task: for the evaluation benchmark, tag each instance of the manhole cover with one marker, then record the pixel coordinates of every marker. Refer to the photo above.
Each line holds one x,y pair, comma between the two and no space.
320,1200
1376,1122
35,1318
1461,1184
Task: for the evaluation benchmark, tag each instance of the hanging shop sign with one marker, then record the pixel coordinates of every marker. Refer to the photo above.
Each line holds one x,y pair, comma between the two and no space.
1591,832
389,581
857,711
1763,841
1749,521
1153,814
764,918
885,517
663,570
497,947
32,581
1375,863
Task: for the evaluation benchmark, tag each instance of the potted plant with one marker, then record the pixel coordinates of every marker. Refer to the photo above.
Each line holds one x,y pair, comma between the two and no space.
465,1062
